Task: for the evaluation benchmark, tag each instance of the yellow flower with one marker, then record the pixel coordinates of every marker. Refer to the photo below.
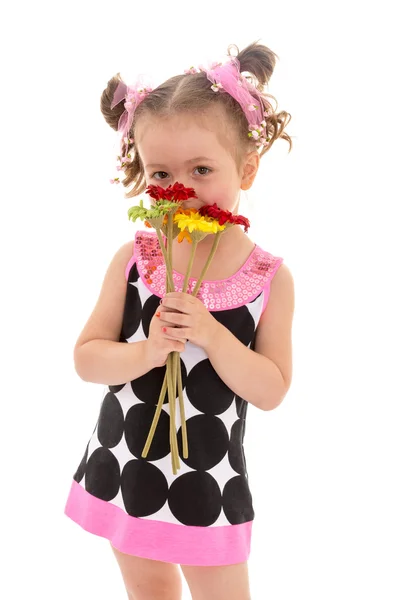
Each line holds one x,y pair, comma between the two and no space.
195,222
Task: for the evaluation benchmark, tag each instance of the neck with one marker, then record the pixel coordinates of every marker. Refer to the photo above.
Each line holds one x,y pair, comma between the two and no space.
233,249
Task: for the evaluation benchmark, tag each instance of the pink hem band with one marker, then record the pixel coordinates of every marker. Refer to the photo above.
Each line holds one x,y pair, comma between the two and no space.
157,540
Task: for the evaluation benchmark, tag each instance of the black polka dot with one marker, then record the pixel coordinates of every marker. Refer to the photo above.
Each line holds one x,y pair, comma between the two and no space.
102,476
195,499
111,422
206,390
148,387
241,407
132,312
236,453
137,426
208,442
78,476
144,488
133,275
239,321
237,501
149,308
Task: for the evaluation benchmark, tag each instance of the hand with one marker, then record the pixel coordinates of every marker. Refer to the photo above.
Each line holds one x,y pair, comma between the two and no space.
159,345
192,322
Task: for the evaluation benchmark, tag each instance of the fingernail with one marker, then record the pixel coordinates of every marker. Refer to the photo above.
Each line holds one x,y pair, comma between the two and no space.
157,314
164,329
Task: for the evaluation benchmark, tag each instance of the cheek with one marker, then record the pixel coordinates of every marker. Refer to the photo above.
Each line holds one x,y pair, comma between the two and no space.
227,188
224,195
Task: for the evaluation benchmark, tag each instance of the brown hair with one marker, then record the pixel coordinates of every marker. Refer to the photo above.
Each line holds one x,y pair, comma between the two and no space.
193,94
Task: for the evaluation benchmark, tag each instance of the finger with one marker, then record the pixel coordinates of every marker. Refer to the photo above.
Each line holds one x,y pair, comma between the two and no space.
175,318
181,333
167,309
181,304
164,325
180,295
162,311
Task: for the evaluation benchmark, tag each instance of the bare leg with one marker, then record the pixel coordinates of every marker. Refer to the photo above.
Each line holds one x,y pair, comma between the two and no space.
147,579
229,582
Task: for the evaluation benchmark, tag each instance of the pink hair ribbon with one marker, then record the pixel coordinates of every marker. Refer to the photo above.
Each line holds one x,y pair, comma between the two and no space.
228,77
133,96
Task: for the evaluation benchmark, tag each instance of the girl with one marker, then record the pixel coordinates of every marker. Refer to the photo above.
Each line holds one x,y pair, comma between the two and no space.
206,129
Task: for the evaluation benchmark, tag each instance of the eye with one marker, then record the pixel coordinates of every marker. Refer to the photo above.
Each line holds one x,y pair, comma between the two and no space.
204,169
157,172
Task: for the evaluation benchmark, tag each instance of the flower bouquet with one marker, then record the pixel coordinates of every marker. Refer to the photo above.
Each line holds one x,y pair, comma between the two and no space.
167,217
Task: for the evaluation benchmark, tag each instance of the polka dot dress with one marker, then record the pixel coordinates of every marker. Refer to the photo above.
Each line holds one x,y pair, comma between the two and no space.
203,515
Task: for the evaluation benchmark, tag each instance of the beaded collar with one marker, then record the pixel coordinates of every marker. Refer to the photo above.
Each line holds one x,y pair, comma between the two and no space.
222,294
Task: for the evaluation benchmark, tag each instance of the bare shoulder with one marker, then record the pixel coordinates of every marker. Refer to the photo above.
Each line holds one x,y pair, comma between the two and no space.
105,321
274,331
282,284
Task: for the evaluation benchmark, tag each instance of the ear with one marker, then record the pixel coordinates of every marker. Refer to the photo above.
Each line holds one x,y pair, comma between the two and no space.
250,168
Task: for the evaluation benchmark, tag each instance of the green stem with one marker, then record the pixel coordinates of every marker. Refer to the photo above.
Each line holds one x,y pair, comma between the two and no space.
209,259
170,281
190,265
182,409
170,234
156,417
172,428
171,371
177,369
175,356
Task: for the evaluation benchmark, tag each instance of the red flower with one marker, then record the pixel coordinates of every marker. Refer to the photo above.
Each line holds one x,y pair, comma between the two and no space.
156,191
179,192
239,220
174,193
223,216
214,212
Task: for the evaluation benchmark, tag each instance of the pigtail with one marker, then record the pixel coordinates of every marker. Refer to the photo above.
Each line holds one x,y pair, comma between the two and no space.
258,60
111,115
134,172
257,64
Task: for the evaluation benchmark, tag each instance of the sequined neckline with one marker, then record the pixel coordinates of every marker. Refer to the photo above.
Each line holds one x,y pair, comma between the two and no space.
217,294
181,275
178,274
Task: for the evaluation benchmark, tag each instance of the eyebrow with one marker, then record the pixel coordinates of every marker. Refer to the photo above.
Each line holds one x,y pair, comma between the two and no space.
187,162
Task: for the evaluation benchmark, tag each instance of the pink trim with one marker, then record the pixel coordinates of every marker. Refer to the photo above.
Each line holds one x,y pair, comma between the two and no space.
130,263
217,295
267,287
242,268
180,544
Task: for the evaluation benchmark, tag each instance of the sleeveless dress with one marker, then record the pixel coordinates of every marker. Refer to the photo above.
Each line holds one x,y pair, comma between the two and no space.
203,515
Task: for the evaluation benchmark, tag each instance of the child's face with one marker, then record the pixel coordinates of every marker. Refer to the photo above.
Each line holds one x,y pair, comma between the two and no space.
191,151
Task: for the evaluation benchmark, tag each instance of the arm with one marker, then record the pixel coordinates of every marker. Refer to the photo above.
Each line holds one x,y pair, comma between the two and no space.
262,377
112,363
99,356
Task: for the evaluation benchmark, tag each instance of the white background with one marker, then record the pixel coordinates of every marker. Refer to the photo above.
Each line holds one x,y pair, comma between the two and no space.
324,466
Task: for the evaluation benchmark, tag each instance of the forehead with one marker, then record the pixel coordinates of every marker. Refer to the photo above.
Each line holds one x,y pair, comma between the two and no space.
181,136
